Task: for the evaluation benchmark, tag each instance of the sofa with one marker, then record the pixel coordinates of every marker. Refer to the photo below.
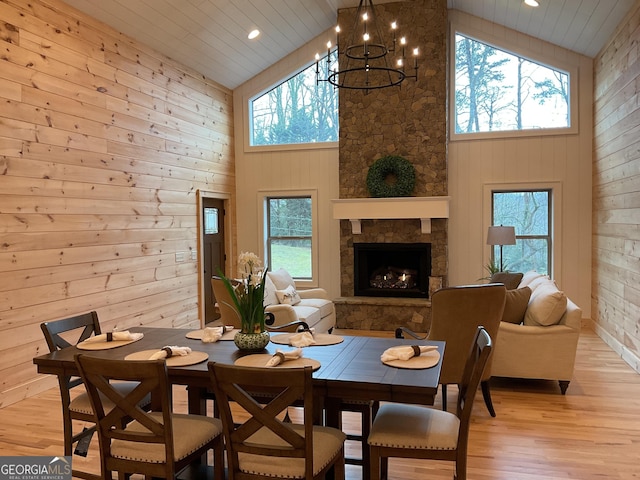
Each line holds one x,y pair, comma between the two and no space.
538,335
288,304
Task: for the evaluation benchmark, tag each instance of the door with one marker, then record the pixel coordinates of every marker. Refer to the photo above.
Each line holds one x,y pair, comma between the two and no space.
213,251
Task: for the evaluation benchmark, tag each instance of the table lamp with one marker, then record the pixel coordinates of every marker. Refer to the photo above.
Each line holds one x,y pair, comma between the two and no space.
501,236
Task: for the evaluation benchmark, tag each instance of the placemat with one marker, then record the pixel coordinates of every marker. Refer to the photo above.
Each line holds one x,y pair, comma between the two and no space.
197,334
176,361
261,359
426,360
322,339
107,345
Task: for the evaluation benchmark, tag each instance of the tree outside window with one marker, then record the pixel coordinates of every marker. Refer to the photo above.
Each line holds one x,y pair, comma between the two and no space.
498,91
529,212
289,234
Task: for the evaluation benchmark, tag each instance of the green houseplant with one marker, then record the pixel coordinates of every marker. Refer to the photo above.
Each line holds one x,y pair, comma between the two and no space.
247,294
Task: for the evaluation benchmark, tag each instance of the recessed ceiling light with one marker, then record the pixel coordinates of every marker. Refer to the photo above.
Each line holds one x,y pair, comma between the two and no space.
532,3
253,34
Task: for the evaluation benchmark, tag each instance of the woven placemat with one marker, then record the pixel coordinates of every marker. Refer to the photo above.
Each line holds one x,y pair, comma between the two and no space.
176,361
107,345
261,359
426,360
321,339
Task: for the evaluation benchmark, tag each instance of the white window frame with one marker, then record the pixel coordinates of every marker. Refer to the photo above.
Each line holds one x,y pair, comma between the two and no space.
262,198
537,57
555,269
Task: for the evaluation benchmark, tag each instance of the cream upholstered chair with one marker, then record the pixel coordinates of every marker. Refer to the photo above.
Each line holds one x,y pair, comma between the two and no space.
155,444
412,431
456,312
65,333
262,445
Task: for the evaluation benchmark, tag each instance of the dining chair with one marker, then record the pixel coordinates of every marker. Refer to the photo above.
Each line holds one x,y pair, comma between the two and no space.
65,333
156,443
412,431
228,313
456,312
260,444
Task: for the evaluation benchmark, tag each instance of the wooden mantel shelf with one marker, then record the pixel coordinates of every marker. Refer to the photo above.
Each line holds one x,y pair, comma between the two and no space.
357,209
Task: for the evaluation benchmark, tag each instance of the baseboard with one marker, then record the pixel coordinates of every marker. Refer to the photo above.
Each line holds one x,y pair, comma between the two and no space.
627,355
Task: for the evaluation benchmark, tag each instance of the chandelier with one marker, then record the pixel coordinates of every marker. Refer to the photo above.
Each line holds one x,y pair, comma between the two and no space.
369,63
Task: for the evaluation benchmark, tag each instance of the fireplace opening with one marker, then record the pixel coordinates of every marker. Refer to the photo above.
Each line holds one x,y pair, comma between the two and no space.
392,269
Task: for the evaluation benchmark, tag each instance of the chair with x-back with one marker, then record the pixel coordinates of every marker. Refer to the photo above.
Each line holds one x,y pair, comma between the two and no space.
159,443
413,431
260,444
76,406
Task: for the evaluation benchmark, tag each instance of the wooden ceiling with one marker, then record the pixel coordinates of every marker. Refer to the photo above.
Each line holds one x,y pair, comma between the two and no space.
211,35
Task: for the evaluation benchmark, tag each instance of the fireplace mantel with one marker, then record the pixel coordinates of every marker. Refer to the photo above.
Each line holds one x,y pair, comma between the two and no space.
357,209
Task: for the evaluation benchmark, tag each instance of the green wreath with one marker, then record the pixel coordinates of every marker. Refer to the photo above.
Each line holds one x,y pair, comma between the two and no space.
381,183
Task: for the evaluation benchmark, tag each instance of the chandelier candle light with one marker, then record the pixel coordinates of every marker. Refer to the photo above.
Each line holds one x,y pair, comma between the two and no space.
367,66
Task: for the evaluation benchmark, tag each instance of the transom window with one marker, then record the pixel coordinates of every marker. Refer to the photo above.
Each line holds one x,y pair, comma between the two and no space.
289,235
496,90
298,110
529,211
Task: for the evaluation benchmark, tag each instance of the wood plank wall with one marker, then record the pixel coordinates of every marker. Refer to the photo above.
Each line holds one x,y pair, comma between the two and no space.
103,146
616,192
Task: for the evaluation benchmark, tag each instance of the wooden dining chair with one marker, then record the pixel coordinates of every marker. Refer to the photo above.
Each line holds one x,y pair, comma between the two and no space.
157,443
260,445
65,333
456,313
412,431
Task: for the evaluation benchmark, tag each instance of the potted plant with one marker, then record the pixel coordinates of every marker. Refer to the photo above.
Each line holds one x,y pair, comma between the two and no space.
247,294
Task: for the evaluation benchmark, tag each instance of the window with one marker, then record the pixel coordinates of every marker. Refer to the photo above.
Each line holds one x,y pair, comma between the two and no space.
499,91
529,211
289,235
299,110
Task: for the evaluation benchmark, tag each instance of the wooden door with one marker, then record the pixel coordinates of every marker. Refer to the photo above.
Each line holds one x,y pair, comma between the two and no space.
213,251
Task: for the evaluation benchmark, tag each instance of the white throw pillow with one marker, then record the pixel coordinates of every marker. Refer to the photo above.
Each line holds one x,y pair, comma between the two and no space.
529,277
270,297
546,306
281,279
288,296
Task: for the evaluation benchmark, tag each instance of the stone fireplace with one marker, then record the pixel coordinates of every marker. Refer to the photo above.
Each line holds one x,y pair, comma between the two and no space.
409,121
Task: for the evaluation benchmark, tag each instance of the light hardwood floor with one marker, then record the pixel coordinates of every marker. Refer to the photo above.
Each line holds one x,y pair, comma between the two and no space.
592,433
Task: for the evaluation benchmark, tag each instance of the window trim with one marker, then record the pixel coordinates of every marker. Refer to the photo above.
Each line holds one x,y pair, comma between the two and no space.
262,197
555,269
537,57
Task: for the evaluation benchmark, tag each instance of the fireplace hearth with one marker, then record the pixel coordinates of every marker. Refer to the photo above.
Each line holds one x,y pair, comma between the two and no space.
392,269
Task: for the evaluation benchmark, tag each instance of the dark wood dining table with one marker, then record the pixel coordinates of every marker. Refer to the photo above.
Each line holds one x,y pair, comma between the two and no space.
350,370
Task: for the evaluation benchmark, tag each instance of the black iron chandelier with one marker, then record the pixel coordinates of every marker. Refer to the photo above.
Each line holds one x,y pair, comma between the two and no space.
368,63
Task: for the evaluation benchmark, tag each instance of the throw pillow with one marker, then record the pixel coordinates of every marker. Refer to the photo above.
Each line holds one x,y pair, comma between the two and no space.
517,301
529,277
510,280
546,306
281,279
288,296
270,297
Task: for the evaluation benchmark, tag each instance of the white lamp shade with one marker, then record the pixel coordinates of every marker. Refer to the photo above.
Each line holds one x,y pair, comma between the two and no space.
501,235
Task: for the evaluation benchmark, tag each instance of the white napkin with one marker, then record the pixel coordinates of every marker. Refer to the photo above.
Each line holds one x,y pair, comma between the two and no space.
280,357
212,334
405,352
171,351
302,339
114,337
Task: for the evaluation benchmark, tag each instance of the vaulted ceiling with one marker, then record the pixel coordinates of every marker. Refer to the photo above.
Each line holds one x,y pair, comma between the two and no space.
210,36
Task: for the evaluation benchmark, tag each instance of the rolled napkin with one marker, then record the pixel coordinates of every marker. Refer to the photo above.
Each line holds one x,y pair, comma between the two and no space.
281,357
171,351
114,337
405,352
212,334
302,339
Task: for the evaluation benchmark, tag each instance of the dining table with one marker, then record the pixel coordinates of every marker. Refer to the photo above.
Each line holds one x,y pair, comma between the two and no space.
348,367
